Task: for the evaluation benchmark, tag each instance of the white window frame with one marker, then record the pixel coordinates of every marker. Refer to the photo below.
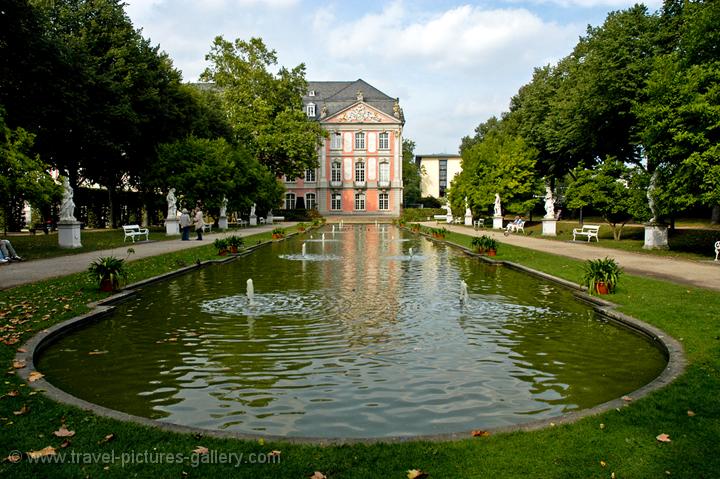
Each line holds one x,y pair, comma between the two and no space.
311,93
384,141
384,178
360,140
336,142
310,204
290,201
336,172
336,202
384,201
360,201
360,171
310,176
310,110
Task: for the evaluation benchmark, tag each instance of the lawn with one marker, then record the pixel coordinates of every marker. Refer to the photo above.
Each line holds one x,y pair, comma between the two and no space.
619,442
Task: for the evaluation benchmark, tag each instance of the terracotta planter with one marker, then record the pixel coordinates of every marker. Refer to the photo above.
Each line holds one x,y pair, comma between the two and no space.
107,285
233,249
277,236
479,250
491,252
222,252
602,288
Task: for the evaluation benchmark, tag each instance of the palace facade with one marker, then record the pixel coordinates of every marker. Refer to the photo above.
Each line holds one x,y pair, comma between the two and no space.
360,164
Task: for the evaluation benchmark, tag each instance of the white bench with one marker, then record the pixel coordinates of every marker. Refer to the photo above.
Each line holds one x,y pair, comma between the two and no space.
131,231
513,227
207,228
717,250
591,231
479,223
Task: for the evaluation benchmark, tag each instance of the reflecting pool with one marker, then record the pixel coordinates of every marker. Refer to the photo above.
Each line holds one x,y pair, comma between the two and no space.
361,336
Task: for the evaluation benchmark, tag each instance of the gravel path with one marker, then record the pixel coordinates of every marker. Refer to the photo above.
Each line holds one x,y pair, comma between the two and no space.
704,274
16,274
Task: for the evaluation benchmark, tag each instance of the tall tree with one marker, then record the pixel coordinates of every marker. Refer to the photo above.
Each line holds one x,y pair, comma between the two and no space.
410,173
265,109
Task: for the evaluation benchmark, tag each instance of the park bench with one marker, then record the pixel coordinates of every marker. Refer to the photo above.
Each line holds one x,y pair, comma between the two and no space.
479,223
717,250
207,228
591,231
131,231
516,227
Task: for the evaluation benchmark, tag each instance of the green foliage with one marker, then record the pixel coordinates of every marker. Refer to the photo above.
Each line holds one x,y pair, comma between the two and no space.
236,241
498,161
280,232
23,177
483,243
421,214
601,271
221,244
410,174
108,268
265,109
614,190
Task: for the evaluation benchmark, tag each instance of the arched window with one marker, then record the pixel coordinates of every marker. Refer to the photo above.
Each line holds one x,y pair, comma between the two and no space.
360,141
289,201
359,201
360,172
310,202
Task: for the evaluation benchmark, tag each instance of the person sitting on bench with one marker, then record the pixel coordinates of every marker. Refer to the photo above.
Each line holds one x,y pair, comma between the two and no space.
8,251
511,226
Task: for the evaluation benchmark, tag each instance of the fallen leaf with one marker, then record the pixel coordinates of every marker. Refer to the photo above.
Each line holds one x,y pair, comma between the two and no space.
107,438
63,432
96,352
274,453
627,398
22,350
261,441
416,474
47,451
612,475
65,443
34,376
67,307
690,413
19,364
14,458
22,410
602,426
318,475
201,450
480,433
603,464
663,438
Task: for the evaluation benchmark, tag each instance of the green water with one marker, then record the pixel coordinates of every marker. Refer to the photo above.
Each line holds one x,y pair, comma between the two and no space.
358,339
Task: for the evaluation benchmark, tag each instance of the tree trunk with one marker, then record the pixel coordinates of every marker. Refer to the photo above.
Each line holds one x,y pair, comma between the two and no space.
715,216
111,204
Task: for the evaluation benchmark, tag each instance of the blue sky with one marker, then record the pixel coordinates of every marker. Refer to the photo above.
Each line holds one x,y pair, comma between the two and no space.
453,64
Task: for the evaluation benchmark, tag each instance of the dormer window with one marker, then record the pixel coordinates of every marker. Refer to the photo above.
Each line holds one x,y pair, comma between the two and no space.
311,93
310,110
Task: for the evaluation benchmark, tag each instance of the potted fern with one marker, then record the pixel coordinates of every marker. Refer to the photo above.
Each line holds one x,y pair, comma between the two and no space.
278,233
221,244
601,275
478,244
108,271
234,243
301,227
491,245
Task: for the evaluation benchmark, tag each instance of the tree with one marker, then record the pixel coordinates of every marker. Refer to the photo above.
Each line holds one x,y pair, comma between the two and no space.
410,174
614,190
23,177
499,161
265,109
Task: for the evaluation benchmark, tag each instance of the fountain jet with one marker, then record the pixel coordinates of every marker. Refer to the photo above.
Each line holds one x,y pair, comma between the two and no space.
304,250
250,291
463,293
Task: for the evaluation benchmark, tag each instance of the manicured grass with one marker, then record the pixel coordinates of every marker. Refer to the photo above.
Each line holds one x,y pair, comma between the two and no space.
625,443
686,242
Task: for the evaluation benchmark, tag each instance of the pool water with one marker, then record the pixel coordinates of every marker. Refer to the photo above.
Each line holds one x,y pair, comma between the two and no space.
358,338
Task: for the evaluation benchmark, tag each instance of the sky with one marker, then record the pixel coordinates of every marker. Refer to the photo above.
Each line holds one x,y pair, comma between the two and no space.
452,64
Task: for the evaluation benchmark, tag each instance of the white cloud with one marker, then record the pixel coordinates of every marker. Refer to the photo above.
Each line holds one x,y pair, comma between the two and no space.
651,4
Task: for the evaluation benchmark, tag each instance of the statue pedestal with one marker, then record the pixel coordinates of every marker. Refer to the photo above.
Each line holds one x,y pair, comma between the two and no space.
497,222
549,227
69,234
656,236
222,223
468,218
253,220
449,218
269,219
172,226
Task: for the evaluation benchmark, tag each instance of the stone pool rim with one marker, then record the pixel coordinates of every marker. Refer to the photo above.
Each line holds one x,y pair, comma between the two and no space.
669,346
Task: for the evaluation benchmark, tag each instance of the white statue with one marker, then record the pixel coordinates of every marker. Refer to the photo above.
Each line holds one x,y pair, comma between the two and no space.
549,204
252,210
172,207
223,207
67,208
651,197
467,208
498,207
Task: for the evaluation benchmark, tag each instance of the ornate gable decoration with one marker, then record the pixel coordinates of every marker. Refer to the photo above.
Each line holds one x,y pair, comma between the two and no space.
360,113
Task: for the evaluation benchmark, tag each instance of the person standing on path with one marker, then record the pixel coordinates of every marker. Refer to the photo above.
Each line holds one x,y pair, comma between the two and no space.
185,223
198,221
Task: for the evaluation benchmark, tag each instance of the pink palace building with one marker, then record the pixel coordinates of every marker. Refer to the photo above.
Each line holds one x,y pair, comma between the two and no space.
360,164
